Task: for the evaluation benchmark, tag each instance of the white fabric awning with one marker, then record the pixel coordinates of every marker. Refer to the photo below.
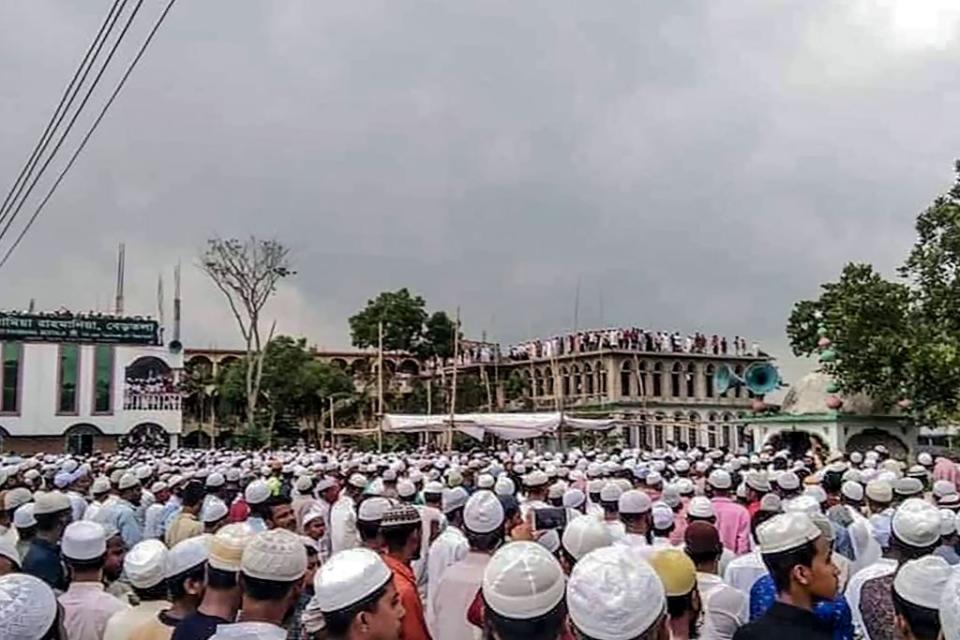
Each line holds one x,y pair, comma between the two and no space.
507,426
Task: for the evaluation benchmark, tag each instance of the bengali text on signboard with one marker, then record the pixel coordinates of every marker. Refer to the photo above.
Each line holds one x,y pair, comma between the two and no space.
52,328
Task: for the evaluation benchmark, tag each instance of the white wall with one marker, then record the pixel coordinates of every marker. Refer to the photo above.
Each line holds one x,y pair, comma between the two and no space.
38,393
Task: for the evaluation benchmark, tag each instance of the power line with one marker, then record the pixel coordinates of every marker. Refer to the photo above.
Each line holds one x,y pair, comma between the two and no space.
73,120
93,128
57,116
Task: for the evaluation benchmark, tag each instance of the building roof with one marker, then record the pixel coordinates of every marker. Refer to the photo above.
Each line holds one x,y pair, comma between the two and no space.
808,396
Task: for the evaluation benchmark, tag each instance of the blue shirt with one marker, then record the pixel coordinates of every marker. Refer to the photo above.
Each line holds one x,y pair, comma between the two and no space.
834,612
43,561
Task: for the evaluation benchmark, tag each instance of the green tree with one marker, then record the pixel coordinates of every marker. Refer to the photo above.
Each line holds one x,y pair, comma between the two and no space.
898,342
403,316
438,337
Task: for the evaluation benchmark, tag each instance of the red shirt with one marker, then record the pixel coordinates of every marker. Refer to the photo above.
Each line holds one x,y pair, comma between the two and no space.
414,625
239,511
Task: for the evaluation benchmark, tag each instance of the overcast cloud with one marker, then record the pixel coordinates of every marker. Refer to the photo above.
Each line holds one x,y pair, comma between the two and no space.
695,165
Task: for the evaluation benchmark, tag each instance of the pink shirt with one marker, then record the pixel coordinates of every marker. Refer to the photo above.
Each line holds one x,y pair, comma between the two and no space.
733,524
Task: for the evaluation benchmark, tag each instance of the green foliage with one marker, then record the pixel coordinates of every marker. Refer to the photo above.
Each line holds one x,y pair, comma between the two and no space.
896,341
406,326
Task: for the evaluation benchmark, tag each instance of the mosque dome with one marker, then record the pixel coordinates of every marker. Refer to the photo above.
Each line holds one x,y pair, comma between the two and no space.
809,396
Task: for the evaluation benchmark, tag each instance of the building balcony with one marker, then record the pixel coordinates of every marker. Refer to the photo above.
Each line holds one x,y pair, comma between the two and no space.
152,402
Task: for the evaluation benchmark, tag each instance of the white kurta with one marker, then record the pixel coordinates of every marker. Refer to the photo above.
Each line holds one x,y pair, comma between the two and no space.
153,522
86,610
343,525
725,609
450,547
453,595
743,571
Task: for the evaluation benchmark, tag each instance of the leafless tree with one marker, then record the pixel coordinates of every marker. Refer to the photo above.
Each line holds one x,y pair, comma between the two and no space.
248,273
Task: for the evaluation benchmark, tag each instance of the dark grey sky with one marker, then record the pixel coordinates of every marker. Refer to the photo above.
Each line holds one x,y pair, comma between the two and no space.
696,165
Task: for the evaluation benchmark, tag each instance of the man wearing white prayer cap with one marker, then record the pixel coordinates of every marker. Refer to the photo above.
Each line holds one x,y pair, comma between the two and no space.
634,507
452,596
9,557
915,532
733,520
29,609
144,568
343,515
402,529
52,512
451,545
917,589
221,594
271,571
798,556
610,503
948,537
369,515
187,523
152,520
214,514
581,536
523,593
354,592
613,594
86,607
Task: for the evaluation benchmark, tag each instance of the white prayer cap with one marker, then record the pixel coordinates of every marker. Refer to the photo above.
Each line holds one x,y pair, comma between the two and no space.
948,522
406,488
523,581
214,509
653,478
186,555
949,501
685,486
720,479
555,491
613,594
313,514
454,499
634,502
158,486
771,502
325,483
610,492
9,550
303,483
434,487
879,491
227,545
922,581
852,490
372,509
62,479
483,512
23,517
802,504
389,475
584,534
943,488
485,481
232,475
215,480
16,497
276,555
701,507
50,502
550,540
535,478
454,477
257,492
788,481
856,457
28,607
671,495
173,481
681,466
349,577
357,481
662,516
128,481
925,458
817,493
83,540
949,607
786,531
905,487
916,523
573,498
758,481
144,563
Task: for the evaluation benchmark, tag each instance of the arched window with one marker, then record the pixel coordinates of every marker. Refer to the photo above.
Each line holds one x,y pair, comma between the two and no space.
577,381
691,380
712,430
626,373
677,428
602,378
643,382
726,432
658,431
657,376
537,382
708,380
693,431
548,377
565,381
676,373
587,379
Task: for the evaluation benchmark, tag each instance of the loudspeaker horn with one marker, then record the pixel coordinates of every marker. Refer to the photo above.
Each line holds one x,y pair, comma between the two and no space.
761,378
724,378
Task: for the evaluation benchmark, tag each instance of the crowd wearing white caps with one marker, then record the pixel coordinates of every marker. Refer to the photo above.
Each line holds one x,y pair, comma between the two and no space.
594,545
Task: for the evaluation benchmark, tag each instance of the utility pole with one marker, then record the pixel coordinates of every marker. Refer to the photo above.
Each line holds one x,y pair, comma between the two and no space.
453,382
380,389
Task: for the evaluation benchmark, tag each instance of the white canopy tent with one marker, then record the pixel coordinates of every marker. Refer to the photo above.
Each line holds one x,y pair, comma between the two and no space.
507,426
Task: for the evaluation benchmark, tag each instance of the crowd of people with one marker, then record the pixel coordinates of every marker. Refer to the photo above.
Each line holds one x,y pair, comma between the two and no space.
505,544
64,313
632,339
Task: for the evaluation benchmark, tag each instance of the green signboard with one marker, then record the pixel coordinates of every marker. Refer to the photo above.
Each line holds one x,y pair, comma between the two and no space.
66,328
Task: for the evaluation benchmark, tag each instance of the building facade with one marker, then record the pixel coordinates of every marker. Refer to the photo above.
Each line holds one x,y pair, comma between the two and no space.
84,390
